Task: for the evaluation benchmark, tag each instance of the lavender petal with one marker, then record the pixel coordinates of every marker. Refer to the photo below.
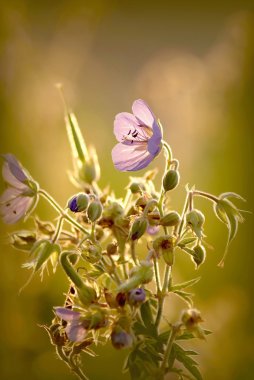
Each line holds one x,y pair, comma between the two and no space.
143,113
76,331
15,167
131,157
67,314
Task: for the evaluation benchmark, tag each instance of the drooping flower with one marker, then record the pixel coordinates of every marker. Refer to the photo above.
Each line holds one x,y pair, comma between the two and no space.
75,328
139,136
21,195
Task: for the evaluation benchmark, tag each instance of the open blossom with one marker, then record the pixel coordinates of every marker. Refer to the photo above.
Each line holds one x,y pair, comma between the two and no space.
20,197
139,136
75,328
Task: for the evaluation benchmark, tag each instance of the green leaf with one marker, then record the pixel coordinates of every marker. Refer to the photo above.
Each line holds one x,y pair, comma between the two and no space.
185,284
187,297
147,316
184,357
231,195
75,137
183,242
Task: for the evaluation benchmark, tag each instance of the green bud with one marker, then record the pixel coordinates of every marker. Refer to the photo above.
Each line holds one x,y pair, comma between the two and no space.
170,220
95,318
142,274
136,188
94,210
92,252
199,255
43,251
171,180
78,202
138,228
195,219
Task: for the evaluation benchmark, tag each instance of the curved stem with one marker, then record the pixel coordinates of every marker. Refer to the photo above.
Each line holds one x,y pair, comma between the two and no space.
206,195
61,211
58,229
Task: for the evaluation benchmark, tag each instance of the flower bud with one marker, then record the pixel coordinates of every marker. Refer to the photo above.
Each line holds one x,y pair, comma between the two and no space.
95,318
121,299
136,296
112,249
136,188
78,203
92,252
195,219
120,338
199,255
141,274
94,210
165,245
138,228
191,318
171,180
170,220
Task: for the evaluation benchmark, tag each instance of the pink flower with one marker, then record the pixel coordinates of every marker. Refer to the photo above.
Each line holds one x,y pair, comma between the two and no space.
20,197
139,136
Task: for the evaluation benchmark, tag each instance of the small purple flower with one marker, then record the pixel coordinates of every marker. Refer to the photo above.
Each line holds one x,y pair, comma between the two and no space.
75,329
78,202
121,338
20,197
152,230
139,136
137,296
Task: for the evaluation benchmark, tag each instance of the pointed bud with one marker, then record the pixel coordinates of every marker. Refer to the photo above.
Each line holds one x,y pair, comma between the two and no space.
170,220
199,255
94,210
138,228
78,203
195,219
171,180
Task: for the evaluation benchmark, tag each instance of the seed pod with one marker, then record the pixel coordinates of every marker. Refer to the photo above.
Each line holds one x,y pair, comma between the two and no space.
138,228
78,203
199,255
94,210
112,249
195,219
170,220
171,180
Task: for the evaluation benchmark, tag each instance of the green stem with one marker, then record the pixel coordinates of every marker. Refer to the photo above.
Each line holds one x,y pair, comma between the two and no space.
78,372
58,229
179,228
60,210
157,275
169,345
206,195
167,275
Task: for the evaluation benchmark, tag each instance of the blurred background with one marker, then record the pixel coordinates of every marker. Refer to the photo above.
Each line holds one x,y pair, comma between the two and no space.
193,63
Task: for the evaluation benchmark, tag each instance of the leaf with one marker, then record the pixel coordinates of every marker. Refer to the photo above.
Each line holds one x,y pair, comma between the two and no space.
147,317
186,241
187,335
185,284
184,357
185,296
75,137
231,195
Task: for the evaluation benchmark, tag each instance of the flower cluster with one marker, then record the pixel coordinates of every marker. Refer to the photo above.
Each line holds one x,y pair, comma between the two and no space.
116,250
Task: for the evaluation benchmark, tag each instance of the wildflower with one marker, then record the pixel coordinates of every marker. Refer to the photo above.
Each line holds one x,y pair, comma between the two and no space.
136,296
76,328
139,136
121,338
20,197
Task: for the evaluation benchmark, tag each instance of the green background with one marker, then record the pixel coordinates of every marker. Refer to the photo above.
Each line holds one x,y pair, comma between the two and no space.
193,63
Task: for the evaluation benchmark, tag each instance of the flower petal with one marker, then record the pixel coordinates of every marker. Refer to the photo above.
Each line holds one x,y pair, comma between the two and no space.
131,157
126,128
75,331
9,194
11,179
17,209
143,113
15,167
67,314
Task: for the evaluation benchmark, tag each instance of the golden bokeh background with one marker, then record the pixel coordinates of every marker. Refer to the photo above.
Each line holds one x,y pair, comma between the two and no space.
193,63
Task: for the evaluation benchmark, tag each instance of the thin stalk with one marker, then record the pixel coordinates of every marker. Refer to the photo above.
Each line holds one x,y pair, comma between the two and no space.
206,195
60,210
133,252
58,229
157,275
166,280
169,345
